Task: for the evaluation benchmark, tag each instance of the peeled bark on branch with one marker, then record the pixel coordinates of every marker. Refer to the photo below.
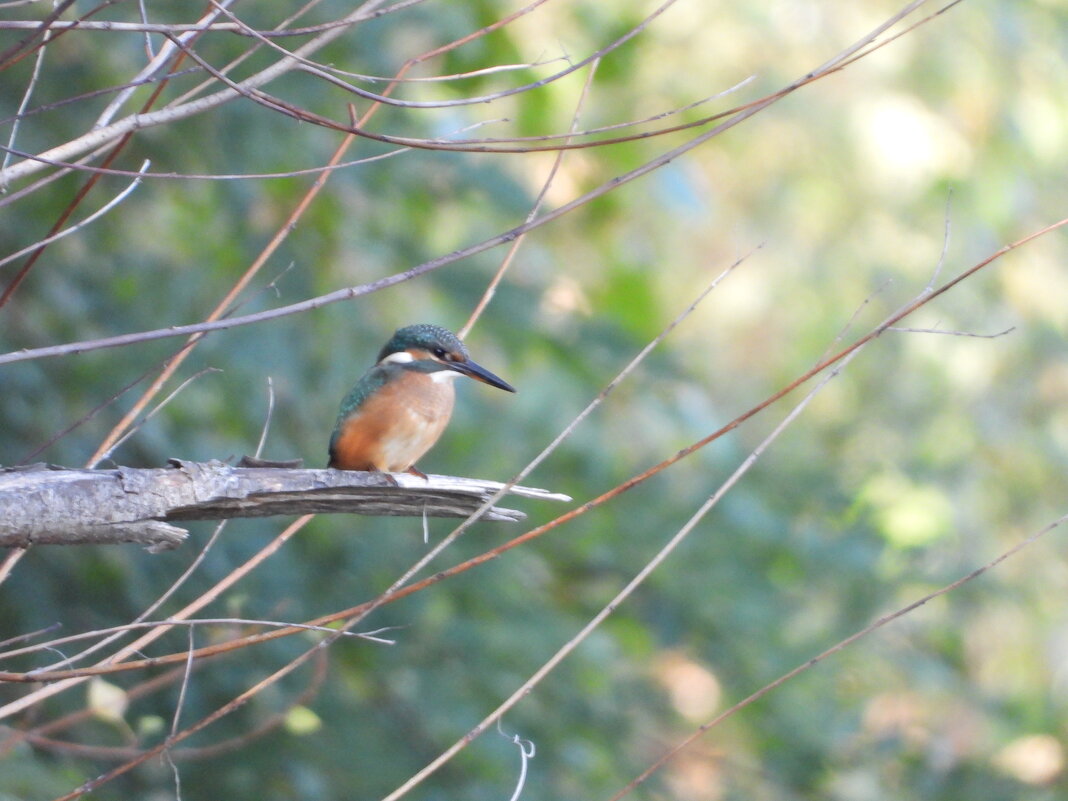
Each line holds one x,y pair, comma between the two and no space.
44,504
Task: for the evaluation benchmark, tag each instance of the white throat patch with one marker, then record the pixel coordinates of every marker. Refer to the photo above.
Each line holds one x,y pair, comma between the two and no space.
444,376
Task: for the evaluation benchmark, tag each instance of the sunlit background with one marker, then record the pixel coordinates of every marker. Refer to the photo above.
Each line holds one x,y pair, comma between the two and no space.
929,456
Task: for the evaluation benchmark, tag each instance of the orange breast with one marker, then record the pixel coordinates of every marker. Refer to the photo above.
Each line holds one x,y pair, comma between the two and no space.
392,429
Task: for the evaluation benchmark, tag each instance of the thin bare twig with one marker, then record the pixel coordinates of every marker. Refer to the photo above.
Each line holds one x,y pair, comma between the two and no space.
143,11
159,62
272,722
240,699
527,752
491,289
267,418
90,414
35,697
159,407
96,215
28,636
457,76
89,95
371,636
12,559
527,686
924,298
481,99
840,645
26,95
188,671
220,310
1008,330
115,130
434,264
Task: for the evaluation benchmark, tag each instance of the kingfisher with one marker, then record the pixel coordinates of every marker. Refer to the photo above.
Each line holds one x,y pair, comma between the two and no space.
399,407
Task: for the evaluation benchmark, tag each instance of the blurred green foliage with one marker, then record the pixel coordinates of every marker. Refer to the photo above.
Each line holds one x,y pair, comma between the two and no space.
927,457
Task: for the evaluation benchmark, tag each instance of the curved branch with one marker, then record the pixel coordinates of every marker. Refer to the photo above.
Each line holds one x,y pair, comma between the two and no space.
108,133
350,293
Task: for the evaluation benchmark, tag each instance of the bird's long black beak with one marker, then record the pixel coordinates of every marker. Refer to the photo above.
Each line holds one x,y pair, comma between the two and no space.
480,373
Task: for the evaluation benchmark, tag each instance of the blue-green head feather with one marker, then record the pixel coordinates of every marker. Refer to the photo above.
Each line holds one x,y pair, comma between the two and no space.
441,342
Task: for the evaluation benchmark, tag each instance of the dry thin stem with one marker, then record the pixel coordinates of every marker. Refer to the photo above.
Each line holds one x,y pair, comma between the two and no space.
220,309
109,26
96,215
12,559
284,25
83,192
87,416
842,644
301,522
127,125
491,289
150,51
1008,330
159,407
224,584
528,686
89,95
26,95
578,511
158,63
167,594
457,76
188,671
228,176
179,622
266,726
254,690
267,418
29,635
269,250
398,590
441,261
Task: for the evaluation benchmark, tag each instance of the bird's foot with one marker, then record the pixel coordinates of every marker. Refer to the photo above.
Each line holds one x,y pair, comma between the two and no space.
387,476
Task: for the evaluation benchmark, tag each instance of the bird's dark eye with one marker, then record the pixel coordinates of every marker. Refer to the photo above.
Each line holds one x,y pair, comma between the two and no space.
439,353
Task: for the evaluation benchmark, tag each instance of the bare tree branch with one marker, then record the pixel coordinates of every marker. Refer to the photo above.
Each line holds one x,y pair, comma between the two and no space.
43,505
134,122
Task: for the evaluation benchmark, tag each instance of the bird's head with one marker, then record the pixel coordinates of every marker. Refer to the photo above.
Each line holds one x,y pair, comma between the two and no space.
436,349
